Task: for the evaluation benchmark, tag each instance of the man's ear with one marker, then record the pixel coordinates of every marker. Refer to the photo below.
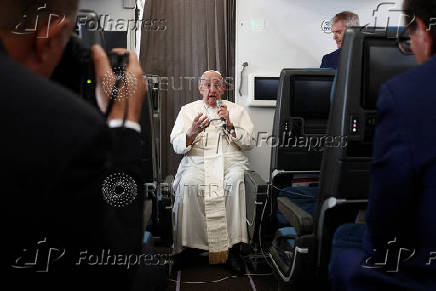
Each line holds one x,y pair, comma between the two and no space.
224,86
427,39
50,36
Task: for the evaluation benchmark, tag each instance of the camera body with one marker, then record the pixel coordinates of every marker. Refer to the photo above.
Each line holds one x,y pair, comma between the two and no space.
76,69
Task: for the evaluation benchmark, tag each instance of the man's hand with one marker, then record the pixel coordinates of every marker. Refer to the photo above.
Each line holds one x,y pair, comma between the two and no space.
198,125
223,113
136,89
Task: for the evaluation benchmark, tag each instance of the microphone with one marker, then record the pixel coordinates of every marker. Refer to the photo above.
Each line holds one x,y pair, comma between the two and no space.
219,103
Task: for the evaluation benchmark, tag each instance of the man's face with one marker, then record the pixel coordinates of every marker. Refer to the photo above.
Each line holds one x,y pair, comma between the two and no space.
421,42
211,88
416,45
338,30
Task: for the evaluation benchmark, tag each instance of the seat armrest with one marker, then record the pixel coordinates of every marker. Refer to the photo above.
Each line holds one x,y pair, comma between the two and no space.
256,195
166,187
256,179
255,188
300,219
169,180
254,185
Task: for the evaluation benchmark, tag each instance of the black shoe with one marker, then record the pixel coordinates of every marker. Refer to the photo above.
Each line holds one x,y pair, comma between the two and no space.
236,263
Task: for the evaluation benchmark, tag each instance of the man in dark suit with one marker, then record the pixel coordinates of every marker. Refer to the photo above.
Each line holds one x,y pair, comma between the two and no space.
400,242
58,160
339,25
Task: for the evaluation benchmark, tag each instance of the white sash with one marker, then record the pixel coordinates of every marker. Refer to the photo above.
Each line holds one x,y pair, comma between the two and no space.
214,199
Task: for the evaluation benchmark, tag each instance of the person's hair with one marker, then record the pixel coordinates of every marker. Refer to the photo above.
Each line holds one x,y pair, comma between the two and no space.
13,11
424,10
348,17
210,71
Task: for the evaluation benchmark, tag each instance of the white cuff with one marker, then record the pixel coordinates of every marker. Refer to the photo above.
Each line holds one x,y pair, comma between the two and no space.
186,148
115,123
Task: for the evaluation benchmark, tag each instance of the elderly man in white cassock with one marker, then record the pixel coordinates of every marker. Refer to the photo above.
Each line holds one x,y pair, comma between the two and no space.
212,135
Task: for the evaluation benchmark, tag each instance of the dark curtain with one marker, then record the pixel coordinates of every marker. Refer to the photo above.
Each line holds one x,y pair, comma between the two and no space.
180,40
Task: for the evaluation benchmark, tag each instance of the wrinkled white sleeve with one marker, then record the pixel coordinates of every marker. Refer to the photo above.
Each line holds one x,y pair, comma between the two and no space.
178,136
244,132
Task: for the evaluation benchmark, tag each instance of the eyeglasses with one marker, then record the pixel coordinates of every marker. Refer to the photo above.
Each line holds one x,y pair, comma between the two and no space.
404,43
405,46
403,39
208,84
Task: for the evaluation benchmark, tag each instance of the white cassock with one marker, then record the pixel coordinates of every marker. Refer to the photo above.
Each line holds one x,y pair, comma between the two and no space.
209,210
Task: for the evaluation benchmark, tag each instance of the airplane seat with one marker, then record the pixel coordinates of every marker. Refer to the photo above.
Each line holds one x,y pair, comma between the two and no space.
258,211
157,213
368,59
346,236
302,109
304,197
300,122
256,197
258,214
166,197
149,158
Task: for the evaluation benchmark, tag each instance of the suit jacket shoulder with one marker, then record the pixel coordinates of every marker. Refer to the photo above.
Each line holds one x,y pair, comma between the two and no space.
331,60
